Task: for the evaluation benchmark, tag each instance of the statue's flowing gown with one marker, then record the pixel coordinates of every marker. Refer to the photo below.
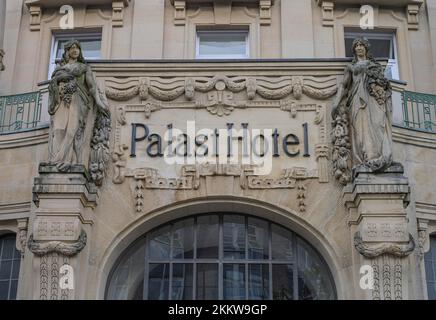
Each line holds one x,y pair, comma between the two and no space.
71,123
371,132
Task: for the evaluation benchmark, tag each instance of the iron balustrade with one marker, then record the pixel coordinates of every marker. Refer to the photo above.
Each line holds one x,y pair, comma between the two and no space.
20,112
419,111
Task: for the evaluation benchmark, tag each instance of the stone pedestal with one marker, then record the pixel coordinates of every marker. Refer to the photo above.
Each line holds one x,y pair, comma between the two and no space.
379,228
59,229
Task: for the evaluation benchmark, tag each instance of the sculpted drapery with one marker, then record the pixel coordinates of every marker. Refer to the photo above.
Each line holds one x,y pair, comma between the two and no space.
80,118
364,107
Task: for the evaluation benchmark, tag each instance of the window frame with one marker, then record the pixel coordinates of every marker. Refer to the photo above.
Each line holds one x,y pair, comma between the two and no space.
223,57
142,246
16,256
56,37
380,35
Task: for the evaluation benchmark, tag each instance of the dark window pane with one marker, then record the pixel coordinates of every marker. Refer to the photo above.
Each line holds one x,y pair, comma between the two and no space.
222,43
234,282
281,244
234,237
158,281
4,290
160,244
15,269
13,293
258,281
207,281
313,279
183,239
431,289
283,283
5,270
380,48
257,239
430,269
8,248
207,237
182,282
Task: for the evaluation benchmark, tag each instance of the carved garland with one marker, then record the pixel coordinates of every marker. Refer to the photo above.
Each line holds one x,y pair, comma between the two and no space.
41,248
373,250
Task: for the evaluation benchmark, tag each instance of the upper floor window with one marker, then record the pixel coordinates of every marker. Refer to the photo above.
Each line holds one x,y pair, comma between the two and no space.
90,42
430,269
222,44
9,267
383,45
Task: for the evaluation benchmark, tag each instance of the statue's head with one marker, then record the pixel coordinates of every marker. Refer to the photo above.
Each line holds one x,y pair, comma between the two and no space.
361,48
72,50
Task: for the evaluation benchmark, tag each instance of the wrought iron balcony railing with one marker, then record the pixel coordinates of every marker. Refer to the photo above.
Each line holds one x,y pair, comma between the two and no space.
20,112
419,111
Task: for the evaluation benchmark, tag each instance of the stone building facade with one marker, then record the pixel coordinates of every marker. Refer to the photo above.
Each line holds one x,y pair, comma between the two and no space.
135,225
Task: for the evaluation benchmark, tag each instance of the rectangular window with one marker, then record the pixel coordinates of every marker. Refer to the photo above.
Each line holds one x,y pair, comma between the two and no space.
222,44
90,42
383,45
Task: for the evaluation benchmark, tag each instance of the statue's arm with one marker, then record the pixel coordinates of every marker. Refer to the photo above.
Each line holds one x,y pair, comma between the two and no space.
343,90
95,92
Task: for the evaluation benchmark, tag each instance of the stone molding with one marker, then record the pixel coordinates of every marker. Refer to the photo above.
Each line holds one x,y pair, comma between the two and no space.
36,8
412,9
220,8
24,138
75,184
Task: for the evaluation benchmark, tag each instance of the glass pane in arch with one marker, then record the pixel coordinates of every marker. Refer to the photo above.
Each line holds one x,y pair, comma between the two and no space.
430,269
314,281
186,259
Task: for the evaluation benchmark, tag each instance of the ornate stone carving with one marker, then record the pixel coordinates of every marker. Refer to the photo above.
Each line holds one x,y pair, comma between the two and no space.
119,159
73,91
269,88
41,248
22,235
149,178
373,250
364,98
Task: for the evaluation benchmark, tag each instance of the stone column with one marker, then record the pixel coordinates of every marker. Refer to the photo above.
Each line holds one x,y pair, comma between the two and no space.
379,228
59,230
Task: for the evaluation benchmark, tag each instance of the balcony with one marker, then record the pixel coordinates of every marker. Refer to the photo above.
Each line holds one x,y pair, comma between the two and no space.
24,112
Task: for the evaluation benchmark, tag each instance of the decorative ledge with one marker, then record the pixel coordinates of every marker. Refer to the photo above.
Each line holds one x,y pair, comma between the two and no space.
412,8
181,5
36,7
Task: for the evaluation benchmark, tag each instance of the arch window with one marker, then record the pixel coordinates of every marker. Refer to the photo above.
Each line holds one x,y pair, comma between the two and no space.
221,257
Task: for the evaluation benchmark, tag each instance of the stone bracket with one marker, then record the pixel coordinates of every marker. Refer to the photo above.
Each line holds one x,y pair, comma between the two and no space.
222,6
36,10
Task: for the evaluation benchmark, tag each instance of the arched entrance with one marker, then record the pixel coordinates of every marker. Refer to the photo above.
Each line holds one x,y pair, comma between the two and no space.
224,255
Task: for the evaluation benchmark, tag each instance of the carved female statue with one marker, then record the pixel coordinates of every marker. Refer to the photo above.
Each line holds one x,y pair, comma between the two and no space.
79,115
365,96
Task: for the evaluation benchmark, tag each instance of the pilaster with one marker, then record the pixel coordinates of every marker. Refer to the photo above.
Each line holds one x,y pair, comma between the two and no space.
59,230
379,228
